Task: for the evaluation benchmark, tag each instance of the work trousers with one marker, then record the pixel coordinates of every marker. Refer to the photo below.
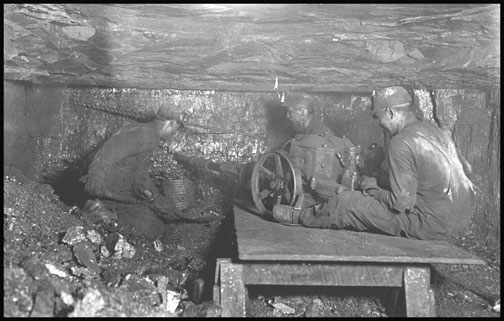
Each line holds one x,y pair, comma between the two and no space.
355,211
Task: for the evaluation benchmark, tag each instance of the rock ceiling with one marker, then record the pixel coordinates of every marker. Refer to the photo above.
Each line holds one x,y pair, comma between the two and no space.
309,47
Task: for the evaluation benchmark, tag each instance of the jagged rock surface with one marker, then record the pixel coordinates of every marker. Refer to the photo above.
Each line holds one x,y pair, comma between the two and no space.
309,47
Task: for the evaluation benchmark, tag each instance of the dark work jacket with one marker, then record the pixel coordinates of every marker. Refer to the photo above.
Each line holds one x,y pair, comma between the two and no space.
427,179
119,164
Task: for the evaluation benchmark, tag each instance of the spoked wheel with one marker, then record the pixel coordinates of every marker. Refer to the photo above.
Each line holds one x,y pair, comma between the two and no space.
275,181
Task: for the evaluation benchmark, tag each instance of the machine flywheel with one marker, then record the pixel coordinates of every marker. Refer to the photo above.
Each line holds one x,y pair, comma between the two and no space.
274,181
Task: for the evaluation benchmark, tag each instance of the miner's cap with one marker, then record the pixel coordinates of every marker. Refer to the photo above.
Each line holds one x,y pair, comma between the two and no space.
299,100
394,96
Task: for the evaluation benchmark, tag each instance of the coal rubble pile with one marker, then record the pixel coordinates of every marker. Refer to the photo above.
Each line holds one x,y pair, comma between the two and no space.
57,263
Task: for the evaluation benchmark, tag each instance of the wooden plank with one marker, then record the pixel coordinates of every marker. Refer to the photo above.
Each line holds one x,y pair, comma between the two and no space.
216,286
260,239
338,274
233,294
419,296
217,268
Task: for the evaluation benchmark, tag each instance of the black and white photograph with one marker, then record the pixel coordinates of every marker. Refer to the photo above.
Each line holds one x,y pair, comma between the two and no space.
272,160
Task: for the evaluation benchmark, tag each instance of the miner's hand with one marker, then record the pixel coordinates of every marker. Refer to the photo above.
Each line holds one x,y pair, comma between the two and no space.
146,193
369,186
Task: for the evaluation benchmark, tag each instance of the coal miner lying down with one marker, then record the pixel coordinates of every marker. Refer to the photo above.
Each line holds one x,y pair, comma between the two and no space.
124,190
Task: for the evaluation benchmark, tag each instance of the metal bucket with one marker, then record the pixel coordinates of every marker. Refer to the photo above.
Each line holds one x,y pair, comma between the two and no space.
180,191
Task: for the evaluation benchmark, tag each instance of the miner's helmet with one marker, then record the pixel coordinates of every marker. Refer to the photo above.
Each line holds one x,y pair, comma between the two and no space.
395,96
299,100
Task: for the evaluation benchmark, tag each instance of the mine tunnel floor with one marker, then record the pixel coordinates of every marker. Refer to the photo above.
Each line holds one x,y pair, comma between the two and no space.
54,268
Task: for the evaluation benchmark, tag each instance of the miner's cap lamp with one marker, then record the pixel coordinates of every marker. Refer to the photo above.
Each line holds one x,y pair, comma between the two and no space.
395,96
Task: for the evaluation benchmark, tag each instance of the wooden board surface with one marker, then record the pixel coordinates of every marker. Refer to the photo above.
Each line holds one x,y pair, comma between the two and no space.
259,239
323,274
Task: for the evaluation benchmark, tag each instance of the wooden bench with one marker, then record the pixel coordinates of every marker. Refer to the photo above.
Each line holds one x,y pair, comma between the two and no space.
274,254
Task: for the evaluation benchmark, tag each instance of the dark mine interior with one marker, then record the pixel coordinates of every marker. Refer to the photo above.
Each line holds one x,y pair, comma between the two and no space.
75,75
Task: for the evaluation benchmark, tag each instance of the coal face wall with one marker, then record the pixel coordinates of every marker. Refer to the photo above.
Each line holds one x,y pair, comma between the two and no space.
49,132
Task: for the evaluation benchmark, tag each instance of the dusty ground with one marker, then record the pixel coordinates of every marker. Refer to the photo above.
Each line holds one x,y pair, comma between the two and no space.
55,265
